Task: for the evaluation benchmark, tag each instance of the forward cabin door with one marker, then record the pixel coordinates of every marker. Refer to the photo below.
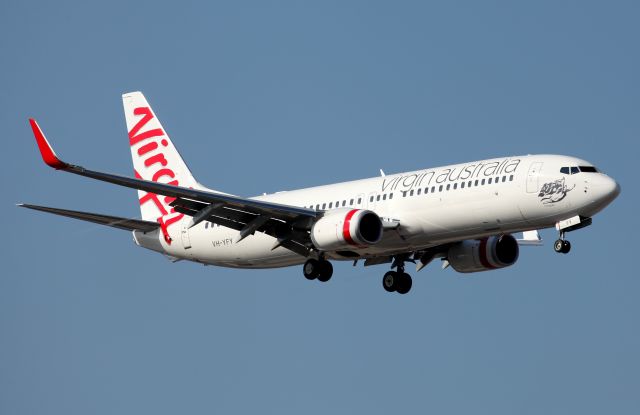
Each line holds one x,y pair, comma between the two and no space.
532,177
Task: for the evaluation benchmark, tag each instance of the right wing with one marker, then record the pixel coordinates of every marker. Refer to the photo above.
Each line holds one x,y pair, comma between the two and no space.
288,224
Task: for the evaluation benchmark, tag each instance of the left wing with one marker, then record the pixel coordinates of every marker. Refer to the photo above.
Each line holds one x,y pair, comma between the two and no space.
288,224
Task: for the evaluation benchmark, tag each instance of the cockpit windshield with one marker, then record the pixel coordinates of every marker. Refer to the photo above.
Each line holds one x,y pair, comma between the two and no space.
578,169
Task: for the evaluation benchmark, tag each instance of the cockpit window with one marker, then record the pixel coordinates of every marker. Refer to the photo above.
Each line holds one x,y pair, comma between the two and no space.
576,170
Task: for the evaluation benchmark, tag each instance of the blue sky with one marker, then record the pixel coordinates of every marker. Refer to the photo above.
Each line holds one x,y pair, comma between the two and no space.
268,96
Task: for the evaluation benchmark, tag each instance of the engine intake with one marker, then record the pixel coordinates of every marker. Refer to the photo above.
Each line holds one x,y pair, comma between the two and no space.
346,229
484,254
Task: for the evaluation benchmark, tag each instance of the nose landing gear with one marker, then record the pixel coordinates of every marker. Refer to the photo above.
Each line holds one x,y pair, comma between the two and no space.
562,246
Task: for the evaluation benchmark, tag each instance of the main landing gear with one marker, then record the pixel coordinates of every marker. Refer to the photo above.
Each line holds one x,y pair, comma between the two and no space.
562,246
319,269
397,281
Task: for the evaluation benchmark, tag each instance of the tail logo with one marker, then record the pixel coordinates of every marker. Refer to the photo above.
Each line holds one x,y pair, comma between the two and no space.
155,167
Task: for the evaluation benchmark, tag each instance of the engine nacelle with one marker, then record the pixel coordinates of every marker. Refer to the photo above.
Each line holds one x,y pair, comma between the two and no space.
345,229
484,254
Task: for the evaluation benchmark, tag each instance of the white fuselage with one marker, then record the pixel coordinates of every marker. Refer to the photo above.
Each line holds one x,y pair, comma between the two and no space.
433,206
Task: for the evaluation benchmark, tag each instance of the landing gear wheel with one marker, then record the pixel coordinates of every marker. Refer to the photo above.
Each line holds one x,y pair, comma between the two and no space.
389,281
404,284
311,269
326,271
562,246
558,246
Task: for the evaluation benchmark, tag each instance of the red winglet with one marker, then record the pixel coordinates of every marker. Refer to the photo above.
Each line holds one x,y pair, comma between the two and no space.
47,153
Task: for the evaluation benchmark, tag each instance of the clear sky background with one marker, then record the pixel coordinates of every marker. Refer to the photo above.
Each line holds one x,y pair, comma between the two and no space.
268,96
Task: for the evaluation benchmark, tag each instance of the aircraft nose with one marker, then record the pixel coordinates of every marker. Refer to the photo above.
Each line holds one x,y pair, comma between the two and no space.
610,189
616,190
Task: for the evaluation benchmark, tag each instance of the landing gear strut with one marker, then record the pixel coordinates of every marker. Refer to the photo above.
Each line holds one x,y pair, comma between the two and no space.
562,246
319,269
397,281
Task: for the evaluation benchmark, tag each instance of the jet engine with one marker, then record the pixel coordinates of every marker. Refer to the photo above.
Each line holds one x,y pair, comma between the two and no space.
345,229
484,254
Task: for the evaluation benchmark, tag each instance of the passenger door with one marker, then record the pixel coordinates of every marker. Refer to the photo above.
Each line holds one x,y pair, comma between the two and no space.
186,240
532,177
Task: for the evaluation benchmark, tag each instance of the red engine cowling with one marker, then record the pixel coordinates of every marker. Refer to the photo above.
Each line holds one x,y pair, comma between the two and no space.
346,229
484,254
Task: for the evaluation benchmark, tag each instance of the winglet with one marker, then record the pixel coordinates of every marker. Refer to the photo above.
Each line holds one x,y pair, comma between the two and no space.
47,153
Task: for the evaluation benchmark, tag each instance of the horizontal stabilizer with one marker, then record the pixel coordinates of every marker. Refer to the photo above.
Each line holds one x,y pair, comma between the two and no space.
113,221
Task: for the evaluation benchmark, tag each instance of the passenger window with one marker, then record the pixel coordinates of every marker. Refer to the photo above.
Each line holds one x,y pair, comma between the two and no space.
359,200
433,189
371,199
476,183
448,187
317,207
504,179
330,204
411,193
489,182
351,202
482,182
462,185
390,195
455,186
511,178
575,170
384,196
344,203
440,188
419,192
324,205
378,198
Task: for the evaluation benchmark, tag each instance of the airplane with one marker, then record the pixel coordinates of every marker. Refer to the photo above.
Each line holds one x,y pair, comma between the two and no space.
463,214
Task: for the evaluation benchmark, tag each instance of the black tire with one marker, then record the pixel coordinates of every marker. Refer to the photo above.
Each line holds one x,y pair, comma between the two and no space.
558,246
405,283
390,281
326,271
566,247
311,269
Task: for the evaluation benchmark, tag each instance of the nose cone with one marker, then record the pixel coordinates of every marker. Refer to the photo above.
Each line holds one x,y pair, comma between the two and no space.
616,190
609,190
